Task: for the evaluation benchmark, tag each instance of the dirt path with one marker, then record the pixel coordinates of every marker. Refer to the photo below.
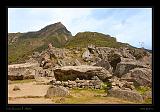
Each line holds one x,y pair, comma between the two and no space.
30,101
31,93
27,89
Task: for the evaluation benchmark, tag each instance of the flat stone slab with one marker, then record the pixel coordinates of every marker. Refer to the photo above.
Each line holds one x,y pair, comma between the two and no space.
82,72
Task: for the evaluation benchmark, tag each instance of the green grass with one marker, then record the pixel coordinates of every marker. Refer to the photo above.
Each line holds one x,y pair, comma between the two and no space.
88,96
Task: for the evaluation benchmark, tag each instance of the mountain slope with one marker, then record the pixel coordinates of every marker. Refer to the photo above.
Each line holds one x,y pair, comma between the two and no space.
27,43
82,39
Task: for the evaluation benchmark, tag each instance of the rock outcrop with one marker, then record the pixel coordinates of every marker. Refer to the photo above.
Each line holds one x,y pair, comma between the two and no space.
59,91
140,76
16,88
126,94
104,63
22,71
124,67
83,72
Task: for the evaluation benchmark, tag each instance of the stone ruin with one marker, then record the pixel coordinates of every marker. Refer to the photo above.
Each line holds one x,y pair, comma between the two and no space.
95,83
21,71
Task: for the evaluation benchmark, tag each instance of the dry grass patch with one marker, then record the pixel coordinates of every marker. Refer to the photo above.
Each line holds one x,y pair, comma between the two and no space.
88,96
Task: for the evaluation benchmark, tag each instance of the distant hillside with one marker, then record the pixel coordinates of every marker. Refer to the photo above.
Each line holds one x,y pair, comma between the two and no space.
82,39
21,45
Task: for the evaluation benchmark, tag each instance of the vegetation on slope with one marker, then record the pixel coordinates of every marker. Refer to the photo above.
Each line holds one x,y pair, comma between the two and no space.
100,40
27,43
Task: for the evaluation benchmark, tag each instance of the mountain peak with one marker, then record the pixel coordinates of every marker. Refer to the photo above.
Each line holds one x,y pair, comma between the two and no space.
58,24
54,28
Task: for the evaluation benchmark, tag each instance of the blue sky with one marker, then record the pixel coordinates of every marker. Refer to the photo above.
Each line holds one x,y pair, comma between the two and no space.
128,25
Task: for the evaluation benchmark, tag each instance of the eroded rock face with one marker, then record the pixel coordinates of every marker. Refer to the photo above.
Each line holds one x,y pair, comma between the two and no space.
59,91
82,72
125,94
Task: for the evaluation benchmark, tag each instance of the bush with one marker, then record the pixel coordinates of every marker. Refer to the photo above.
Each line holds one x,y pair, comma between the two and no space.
105,86
143,89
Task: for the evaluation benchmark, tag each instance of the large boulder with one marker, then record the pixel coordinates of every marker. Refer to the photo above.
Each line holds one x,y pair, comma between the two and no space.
124,67
16,88
140,76
104,63
126,94
82,72
59,91
56,53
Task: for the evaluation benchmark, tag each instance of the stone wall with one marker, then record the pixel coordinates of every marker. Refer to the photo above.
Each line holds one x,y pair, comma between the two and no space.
21,71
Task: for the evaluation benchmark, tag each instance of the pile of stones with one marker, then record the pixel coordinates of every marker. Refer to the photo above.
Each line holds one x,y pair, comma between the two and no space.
116,83
94,83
